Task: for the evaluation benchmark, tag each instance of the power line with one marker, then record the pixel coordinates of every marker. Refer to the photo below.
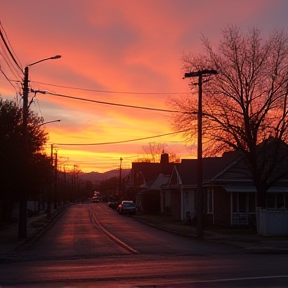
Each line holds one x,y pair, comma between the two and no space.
111,91
11,45
8,49
111,103
10,65
119,142
8,79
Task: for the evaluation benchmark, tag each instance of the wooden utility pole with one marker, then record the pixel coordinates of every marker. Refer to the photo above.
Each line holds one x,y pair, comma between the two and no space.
199,194
50,189
120,178
22,221
55,180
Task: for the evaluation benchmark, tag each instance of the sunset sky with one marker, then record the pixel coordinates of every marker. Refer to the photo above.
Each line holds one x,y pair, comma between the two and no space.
115,51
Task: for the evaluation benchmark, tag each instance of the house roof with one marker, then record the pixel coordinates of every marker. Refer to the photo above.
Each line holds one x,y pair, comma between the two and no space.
160,181
145,172
211,167
238,188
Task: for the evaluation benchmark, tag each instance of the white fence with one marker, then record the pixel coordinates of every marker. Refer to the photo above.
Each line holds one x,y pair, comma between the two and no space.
272,222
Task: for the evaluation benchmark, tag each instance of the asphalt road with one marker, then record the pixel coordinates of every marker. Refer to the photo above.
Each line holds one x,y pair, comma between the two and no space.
91,245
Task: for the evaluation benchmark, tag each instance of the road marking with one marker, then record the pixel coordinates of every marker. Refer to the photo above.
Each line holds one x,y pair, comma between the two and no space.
113,237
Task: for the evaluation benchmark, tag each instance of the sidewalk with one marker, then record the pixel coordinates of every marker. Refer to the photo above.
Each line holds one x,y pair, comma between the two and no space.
36,224
249,241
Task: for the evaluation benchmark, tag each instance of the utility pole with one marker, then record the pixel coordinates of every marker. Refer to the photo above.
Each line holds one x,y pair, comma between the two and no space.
22,221
49,196
199,196
55,180
120,177
22,224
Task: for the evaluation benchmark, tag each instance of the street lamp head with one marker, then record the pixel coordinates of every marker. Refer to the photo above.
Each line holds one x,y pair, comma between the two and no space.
58,120
56,57
45,59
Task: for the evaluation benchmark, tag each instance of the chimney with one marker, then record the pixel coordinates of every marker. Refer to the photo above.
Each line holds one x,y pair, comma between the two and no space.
164,163
164,158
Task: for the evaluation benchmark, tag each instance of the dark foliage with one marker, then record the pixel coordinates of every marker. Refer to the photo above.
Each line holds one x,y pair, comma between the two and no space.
14,171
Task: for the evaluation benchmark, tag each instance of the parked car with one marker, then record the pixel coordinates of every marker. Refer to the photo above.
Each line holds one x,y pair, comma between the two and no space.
95,199
127,207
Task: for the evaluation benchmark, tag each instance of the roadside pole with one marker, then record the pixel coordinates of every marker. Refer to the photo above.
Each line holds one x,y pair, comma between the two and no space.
199,192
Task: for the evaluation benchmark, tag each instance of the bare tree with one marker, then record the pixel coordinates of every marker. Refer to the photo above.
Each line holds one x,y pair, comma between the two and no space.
245,104
153,153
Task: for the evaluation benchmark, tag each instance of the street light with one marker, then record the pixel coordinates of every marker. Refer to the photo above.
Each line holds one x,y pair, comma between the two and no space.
22,225
49,58
48,122
199,202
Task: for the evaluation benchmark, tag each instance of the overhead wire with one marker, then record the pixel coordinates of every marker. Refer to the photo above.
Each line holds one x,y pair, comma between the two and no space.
10,66
111,103
9,51
8,54
111,91
120,142
8,79
11,47
115,104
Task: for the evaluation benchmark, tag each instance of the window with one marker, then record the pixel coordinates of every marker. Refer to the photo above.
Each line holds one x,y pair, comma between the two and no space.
244,202
276,201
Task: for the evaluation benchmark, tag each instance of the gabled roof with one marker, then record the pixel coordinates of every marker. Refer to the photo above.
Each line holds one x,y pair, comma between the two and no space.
160,181
236,170
211,167
148,172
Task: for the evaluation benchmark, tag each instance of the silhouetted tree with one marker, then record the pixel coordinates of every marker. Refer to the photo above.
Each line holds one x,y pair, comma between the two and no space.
12,171
244,104
108,186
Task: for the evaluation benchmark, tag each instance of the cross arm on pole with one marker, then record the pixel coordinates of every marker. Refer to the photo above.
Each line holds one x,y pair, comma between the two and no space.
200,72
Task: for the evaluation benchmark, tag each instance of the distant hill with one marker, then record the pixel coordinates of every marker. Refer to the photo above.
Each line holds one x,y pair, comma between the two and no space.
96,177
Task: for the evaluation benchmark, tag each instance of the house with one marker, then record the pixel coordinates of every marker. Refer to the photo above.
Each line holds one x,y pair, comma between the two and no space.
230,196
179,196
151,197
144,180
228,193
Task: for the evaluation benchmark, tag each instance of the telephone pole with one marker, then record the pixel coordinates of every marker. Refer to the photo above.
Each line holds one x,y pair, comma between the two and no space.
56,180
22,221
120,178
199,196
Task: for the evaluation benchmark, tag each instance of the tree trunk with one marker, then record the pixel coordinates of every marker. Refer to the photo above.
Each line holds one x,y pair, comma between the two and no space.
261,198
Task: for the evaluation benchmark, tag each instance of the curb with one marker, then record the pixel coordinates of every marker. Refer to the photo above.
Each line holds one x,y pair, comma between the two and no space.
249,250
23,244
43,228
